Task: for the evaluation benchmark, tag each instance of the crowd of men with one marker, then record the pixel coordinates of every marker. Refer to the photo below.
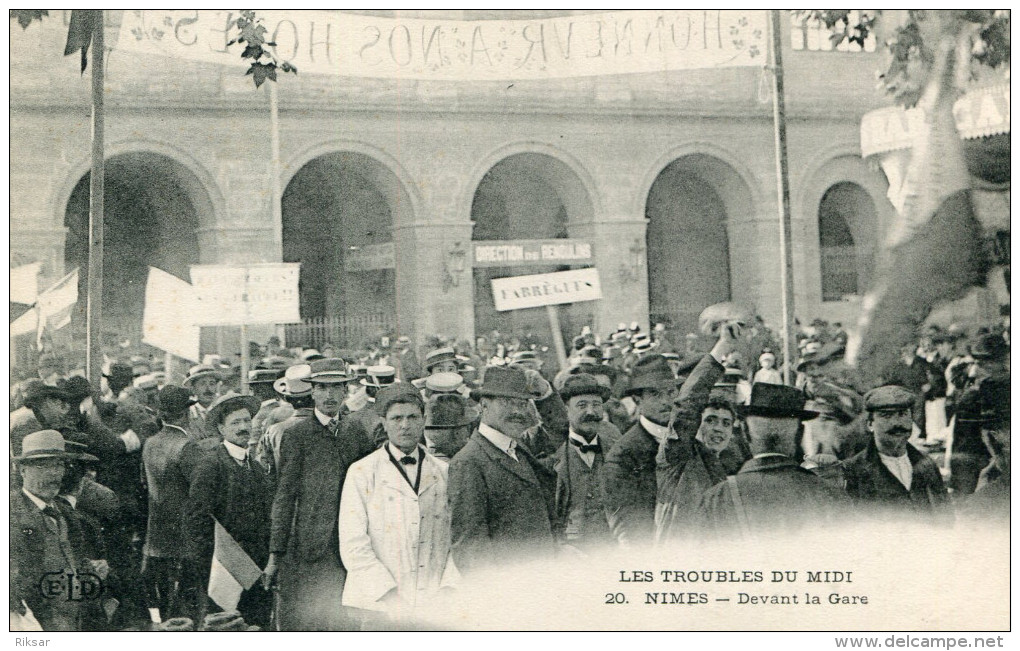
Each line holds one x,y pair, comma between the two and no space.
362,486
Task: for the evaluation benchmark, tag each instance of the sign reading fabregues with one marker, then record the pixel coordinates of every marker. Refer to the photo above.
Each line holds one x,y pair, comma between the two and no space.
518,292
246,294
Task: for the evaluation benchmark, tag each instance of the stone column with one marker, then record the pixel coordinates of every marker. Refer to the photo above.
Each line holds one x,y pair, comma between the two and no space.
434,281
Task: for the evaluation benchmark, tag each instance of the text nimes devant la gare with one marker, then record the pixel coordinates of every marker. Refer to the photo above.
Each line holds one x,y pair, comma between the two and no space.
738,587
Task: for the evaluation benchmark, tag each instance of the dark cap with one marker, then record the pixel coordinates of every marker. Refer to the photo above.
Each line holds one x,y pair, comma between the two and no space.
776,401
651,372
77,389
446,411
890,396
173,400
264,375
989,347
583,384
503,382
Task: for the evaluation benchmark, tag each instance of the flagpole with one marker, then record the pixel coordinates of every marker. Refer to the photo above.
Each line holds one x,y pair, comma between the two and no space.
94,315
783,190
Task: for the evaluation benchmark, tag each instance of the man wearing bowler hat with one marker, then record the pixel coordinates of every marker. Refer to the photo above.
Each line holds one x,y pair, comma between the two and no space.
892,477
229,489
578,464
47,559
448,424
305,547
772,492
502,502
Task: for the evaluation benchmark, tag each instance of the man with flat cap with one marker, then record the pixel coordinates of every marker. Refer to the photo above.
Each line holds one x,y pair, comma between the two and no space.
772,492
48,562
168,460
502,504
229,489
579,461
305,549
891,477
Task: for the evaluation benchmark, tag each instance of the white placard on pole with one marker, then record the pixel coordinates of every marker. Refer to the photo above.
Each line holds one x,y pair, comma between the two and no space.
167,319
246,294
518,292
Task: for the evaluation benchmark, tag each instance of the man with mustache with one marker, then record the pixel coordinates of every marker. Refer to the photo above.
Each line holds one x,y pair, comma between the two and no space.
228,486
501,498
891,477
314,457
579,461
204,382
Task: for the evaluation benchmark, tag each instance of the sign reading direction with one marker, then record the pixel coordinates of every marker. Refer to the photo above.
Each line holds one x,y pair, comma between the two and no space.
246,294
370,257
574,286
520,253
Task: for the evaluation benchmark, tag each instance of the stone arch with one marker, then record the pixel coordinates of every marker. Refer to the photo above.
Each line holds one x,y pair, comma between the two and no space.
391,178
696,254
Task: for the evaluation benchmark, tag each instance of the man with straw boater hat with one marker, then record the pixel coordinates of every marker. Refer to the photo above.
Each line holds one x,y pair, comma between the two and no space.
296,393
48,563
305,547
204,382
501,498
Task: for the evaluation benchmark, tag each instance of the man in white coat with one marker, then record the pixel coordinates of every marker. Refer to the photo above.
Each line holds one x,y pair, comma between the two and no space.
394,518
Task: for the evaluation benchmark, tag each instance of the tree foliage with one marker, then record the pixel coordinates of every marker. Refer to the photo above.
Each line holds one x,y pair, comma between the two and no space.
909,45
252,35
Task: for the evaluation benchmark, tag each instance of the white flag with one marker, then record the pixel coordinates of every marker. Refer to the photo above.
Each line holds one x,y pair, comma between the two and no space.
168,322
55,305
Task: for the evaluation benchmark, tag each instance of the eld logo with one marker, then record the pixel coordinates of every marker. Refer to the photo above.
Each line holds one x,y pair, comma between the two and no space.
70,586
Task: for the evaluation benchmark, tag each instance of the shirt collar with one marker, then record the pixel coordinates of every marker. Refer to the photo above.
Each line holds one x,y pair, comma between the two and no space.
497,438
235,451
72,500
768,454
658,432
323,418
580,439
398,454
35,500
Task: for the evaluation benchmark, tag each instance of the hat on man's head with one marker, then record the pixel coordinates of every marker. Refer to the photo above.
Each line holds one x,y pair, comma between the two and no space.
228,403
990,347
48,444
76,388
583,384
274,361
200,371
379,376
651,372
264,375
146,382
294,383
310,355
439,356
503,382
446,411
119,373
173,401
993,397
889,396
776,401
36,393
397,392
444,382
330,370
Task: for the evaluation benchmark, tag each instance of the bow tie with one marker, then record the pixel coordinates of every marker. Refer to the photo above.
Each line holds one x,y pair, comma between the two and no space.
585,448
408,460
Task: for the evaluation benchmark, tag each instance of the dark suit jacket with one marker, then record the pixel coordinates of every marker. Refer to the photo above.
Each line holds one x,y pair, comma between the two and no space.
313,466
874,488
608,436
239,497
629,486
777,495
499,508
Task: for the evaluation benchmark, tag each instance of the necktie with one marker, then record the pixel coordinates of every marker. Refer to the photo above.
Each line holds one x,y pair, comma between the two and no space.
585,448
408,460
332,425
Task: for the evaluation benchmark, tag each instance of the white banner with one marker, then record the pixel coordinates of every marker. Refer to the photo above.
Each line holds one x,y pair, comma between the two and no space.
167,322
246,294
573,286
25,283
340,44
